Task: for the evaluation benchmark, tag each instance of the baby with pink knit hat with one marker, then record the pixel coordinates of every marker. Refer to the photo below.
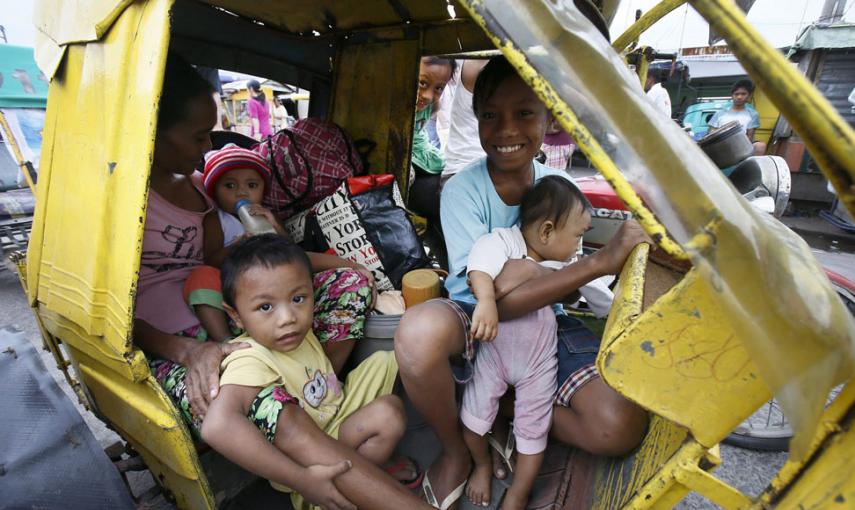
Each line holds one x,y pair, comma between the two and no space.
233,174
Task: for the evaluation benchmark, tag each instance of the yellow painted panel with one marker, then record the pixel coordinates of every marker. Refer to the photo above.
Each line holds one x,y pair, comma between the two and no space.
131,367
768,116
85,251
384,110
829,425
829,481
620,479
145,417
682,360
629,294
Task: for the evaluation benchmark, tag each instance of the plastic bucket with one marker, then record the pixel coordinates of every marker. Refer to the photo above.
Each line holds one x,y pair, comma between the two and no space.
379,336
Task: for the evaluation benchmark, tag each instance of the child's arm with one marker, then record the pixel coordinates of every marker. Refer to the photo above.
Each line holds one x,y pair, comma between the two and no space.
228,431
214,250
323,261
485,319
546,290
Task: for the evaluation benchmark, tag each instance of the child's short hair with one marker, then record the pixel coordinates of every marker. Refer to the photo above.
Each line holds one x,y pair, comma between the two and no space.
552,198
491,76
743,84
439,61
232,157
268,250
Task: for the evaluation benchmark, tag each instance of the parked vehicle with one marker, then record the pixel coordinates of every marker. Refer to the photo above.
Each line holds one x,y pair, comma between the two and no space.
730,306
23,98
698,116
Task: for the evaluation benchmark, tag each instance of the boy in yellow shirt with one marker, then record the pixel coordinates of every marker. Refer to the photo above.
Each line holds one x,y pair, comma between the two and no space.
305,430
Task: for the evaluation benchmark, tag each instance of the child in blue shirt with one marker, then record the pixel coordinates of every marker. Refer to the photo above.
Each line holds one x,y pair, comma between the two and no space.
486,195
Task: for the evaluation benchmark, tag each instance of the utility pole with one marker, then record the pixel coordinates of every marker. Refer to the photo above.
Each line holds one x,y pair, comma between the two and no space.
832,12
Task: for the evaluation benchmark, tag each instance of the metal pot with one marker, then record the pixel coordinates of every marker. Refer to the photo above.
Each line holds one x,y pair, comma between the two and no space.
727,146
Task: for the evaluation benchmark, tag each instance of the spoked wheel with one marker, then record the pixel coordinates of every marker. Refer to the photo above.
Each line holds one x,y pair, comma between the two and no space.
768,429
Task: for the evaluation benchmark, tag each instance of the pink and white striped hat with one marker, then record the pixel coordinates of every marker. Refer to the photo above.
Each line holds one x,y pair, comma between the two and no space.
232,157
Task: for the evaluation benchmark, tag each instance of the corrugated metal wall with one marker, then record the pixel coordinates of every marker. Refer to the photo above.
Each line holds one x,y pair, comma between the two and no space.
835,80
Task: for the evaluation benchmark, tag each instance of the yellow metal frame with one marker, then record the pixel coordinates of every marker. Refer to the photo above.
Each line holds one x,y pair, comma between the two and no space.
647,20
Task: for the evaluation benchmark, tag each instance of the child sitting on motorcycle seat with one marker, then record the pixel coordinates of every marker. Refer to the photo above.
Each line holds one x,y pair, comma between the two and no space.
740,111
306,430
553,216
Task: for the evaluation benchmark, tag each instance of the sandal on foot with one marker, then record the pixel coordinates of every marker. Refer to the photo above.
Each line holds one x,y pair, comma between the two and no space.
449,500
505,451
401,464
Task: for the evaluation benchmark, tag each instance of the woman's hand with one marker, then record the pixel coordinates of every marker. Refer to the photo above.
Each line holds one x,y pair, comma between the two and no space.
317,486
202,381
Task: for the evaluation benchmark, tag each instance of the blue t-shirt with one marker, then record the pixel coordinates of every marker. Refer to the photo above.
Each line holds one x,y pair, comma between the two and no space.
748,117
469,208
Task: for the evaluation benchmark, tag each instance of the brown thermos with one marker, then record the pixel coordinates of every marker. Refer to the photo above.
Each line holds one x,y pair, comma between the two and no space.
419,286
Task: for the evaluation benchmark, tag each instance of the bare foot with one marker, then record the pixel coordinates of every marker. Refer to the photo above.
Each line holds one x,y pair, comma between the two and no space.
478,489
513,501
448,472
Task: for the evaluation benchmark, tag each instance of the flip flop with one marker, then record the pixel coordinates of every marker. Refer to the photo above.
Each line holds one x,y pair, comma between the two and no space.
504,451
449,500
403,463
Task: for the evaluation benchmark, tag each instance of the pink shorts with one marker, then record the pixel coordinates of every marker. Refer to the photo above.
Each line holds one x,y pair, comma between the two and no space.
523,355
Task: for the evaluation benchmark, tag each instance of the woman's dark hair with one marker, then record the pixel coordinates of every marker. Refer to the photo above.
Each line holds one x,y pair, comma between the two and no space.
266,250
743,84
439,61
552,198
489,79
181,84
252,85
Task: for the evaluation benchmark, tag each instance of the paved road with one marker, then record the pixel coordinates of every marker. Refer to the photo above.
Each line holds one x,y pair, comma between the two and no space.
746,470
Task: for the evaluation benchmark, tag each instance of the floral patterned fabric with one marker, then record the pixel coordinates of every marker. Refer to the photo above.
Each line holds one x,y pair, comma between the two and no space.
342,300
264,410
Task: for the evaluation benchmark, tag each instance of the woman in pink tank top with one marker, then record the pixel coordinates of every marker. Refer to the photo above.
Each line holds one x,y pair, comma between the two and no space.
177,215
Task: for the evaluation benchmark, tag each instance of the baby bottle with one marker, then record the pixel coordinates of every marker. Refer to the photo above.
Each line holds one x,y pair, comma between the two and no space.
255,225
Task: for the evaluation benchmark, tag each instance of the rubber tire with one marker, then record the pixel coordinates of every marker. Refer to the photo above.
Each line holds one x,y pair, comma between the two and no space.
763,444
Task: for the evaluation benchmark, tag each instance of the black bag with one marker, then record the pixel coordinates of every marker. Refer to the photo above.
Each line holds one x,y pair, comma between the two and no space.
390,231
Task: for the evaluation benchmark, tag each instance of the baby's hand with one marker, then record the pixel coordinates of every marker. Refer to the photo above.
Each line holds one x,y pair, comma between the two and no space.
485,321
260,210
